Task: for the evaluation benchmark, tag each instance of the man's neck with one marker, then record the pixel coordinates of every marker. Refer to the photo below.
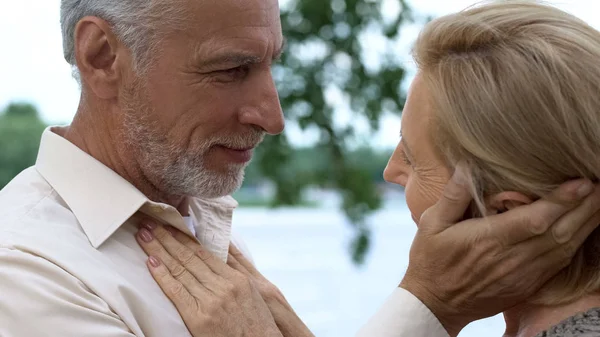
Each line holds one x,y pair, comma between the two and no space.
529,320
101,139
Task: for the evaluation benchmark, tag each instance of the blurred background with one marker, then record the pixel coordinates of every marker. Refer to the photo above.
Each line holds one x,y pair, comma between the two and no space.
321,222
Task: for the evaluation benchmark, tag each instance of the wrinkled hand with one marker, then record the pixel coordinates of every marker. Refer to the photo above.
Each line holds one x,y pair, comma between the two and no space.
286,319
477,268
213,299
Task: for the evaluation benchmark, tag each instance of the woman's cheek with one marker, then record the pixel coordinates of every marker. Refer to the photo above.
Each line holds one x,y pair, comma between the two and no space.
412,200
417,198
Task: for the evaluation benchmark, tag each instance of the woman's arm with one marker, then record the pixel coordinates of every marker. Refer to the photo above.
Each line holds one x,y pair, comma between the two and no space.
460,271
214,298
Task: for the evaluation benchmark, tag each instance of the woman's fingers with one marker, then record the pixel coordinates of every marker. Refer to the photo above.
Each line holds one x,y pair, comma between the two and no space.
183,300
235,264
209,259
184,239
179,265
240,263
202,264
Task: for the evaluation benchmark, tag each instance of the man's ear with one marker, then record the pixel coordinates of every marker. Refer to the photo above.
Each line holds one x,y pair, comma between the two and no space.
98,53
504,201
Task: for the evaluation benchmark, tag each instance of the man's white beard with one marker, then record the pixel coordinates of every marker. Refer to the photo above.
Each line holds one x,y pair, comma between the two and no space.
174,170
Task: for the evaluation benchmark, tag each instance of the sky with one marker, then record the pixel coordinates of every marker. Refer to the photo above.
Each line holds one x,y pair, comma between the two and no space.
32,67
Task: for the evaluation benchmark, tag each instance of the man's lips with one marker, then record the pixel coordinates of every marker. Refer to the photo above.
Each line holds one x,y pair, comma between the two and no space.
238,155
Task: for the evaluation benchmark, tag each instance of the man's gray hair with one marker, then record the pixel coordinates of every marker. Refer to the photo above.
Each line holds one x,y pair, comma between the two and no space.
136,23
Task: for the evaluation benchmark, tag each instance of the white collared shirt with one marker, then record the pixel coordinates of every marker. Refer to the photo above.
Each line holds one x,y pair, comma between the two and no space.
69,261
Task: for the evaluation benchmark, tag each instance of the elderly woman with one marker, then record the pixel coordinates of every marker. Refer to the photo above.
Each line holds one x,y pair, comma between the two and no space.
510,92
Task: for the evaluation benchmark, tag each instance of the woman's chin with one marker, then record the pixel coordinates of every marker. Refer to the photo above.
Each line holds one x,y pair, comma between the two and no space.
415,219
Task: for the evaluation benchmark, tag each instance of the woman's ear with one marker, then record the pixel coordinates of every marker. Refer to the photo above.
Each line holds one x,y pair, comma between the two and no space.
504,201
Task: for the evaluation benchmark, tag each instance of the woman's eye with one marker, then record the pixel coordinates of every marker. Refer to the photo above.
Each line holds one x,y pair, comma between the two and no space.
405,159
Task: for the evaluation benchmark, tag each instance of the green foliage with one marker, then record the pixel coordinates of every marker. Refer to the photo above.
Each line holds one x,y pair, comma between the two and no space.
20,132
325,50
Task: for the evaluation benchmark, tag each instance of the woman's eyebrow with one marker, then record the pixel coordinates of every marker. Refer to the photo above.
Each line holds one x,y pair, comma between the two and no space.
405,146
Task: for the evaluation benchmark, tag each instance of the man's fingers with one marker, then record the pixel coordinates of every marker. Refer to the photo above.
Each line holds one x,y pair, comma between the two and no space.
453,204
571,223
570,247
525,222
561,256
175,290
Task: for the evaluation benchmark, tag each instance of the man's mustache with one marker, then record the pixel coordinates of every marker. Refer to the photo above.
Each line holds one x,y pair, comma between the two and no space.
240,142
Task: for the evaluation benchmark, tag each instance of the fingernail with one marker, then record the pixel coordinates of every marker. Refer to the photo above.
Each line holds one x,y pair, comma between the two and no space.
149,226
154,262
145,235
585,189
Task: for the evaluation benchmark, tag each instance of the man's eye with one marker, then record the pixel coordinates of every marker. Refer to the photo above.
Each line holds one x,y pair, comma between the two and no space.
232,74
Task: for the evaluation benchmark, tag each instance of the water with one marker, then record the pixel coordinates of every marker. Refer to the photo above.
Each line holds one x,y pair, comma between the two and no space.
305,253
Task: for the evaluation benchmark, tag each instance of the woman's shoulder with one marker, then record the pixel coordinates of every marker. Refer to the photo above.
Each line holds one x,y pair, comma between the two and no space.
585,324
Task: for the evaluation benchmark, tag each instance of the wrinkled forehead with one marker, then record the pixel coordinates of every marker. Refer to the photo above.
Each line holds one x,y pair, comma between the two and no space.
222,26
417,114
210,17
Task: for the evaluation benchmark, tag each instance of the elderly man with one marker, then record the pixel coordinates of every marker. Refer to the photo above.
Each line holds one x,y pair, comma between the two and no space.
175,97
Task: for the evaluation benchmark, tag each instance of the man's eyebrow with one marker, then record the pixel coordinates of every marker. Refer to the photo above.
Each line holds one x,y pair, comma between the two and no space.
239,59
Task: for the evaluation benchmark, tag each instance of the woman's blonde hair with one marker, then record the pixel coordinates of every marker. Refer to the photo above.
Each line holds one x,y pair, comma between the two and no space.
515,87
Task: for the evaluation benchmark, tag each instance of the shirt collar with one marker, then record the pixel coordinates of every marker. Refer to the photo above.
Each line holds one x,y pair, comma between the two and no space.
102,200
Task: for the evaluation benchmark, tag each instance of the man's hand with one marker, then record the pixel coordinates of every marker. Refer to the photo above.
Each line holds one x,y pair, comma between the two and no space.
465,271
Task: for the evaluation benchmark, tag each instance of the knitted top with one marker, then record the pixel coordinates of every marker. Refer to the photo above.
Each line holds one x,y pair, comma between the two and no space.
585,324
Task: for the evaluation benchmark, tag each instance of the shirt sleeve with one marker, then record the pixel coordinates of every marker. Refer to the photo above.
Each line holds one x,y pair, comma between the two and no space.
403,315
38,298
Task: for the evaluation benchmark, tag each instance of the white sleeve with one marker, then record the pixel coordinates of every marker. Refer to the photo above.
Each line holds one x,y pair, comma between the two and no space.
403,315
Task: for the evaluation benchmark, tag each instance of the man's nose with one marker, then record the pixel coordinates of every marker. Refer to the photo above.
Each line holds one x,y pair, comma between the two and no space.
264,110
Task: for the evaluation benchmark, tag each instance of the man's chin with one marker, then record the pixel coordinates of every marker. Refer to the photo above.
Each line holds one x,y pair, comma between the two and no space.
218,185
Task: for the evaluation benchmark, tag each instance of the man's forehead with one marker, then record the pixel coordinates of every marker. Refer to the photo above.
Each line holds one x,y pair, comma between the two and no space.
214,15
218,24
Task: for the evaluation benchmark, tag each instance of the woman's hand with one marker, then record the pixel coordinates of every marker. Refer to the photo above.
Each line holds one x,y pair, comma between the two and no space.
286,319
212,298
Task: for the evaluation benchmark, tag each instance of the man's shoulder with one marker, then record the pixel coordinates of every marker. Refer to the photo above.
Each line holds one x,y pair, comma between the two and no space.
29,205
26,190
